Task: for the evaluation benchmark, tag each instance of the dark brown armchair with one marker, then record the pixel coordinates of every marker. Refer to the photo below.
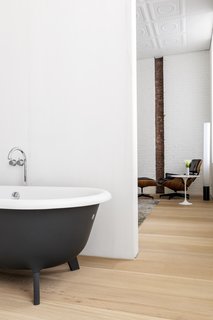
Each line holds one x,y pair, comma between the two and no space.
177,184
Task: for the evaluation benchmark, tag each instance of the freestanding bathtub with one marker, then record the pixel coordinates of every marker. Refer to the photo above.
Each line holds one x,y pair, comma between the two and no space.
42,227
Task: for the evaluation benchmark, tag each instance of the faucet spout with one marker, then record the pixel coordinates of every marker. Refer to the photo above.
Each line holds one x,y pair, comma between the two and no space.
19,162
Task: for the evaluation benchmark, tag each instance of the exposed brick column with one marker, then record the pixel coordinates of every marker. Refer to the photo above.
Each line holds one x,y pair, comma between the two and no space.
159,122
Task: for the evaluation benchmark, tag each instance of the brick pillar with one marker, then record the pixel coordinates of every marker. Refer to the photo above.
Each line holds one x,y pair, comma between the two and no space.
159,122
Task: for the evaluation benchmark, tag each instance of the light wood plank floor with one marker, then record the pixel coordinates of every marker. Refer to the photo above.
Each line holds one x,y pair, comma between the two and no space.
172,277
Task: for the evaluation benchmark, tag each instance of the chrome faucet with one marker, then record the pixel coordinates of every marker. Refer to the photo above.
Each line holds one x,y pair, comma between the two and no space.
22,162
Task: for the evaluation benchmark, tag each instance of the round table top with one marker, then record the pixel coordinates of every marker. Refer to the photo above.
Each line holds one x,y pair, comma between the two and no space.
185,176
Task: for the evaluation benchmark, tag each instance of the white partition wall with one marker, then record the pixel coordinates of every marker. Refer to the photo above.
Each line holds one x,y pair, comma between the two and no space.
72,105
14,84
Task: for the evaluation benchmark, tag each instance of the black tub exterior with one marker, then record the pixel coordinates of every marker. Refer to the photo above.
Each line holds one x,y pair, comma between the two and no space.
38,239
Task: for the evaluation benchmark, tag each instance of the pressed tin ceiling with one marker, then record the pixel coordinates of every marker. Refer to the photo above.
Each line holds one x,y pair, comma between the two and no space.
171,27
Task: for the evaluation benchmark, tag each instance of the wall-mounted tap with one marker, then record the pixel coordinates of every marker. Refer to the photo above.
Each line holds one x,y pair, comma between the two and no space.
19,162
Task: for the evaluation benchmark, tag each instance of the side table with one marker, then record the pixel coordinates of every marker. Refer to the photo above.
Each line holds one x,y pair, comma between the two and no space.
185,178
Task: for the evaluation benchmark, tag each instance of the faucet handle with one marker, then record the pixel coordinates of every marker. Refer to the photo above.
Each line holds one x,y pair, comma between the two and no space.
12,162
20,162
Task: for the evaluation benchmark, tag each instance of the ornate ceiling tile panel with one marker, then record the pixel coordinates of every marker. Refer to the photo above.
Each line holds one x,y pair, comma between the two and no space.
167,24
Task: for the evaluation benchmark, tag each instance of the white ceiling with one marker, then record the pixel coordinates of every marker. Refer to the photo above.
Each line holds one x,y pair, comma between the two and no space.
167,27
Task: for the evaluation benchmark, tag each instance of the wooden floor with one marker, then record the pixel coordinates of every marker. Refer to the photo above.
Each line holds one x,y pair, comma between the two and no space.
172,277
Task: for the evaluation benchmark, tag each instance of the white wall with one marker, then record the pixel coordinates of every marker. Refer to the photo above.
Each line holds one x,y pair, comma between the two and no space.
211,97
14,84
79,100
186,105
146,118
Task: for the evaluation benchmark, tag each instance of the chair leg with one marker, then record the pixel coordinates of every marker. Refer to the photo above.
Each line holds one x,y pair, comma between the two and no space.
145,195
174,195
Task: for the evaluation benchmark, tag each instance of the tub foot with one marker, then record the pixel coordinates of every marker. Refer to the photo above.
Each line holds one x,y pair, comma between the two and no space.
73,264
36,288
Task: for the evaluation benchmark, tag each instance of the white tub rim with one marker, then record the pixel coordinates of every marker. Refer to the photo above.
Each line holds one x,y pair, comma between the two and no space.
87,196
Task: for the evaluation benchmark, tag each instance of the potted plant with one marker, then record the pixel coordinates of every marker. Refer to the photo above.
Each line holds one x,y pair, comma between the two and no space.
187,164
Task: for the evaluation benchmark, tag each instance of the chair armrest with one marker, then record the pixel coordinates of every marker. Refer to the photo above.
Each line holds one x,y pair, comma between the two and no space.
169,175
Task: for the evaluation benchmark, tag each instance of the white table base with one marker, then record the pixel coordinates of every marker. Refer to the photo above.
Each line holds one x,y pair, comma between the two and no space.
185,203
185,177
